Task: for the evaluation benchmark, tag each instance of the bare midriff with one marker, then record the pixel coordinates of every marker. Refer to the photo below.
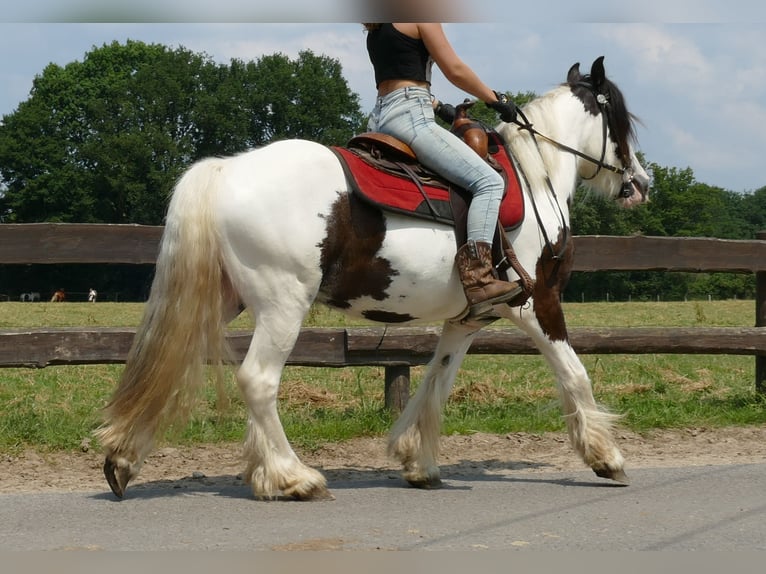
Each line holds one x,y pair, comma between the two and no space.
388,86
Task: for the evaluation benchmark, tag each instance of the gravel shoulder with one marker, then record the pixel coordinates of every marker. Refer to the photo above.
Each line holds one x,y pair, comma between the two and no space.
365,459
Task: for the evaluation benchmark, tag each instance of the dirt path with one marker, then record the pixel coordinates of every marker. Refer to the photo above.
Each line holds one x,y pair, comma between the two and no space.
518,452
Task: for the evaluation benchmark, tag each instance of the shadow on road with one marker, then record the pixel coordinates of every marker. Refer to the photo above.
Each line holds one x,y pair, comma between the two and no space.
453,475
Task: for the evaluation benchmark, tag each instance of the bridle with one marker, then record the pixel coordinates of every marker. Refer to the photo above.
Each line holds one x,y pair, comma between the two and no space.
626,171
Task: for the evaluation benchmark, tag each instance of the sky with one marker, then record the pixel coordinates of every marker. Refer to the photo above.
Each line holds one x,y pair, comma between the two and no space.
693,71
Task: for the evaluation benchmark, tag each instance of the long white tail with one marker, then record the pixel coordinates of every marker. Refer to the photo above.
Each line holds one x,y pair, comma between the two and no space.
182,326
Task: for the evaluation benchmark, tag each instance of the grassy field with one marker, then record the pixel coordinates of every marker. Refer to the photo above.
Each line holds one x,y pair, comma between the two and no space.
58,407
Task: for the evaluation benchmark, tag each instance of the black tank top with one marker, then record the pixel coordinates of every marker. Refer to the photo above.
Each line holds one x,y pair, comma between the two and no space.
397,56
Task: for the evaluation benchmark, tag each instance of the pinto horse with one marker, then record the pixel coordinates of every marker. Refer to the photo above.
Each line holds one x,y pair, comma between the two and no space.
276,229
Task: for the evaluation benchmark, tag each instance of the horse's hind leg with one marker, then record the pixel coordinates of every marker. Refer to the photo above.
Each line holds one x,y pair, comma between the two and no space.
414,439
272,465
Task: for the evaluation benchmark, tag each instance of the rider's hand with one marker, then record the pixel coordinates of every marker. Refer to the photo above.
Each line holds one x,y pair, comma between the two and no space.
505,107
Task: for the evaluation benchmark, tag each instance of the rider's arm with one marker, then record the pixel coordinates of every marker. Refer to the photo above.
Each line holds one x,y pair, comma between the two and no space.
453,68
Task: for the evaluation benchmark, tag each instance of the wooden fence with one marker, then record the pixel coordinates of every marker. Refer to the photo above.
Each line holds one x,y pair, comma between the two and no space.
395,348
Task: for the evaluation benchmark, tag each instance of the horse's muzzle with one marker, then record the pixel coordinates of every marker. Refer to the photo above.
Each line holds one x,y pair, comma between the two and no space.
635,190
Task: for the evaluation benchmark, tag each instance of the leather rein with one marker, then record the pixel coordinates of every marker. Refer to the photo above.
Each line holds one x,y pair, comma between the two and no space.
603,101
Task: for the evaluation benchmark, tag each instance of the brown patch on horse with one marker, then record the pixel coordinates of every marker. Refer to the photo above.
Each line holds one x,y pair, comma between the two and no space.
350,265
552,275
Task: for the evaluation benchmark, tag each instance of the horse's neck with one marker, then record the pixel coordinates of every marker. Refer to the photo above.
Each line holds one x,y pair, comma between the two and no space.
544,164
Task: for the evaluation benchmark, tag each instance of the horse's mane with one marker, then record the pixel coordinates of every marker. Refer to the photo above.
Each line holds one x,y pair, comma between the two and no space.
533,160
620,121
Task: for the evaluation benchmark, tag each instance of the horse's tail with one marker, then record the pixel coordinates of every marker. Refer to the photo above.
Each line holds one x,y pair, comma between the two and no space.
182,326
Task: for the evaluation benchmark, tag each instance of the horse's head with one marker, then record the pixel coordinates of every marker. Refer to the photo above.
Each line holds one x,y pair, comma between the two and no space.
612,154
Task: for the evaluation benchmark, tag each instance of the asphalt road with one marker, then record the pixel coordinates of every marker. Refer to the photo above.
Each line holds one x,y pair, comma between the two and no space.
689,508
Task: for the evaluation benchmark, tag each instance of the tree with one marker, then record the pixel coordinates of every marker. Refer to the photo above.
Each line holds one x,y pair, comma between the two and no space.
103,140
305,98
274,98
683,207
753,211
109,135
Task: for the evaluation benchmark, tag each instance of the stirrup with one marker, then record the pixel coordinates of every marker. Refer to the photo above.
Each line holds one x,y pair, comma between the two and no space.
485,307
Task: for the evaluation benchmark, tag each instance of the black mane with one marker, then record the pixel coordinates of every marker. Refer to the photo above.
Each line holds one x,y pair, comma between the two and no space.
587,88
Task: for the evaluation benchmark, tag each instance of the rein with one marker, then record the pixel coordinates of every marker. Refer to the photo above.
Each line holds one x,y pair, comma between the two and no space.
564,226
527,125
600,164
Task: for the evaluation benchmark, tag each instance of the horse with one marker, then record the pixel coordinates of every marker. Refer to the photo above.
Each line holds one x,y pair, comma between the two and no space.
275,229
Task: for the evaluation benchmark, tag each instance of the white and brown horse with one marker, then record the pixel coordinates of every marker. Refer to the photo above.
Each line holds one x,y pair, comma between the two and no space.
276,229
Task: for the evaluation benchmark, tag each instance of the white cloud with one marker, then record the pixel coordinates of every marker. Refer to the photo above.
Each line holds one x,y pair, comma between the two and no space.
698,149
663,54
746,61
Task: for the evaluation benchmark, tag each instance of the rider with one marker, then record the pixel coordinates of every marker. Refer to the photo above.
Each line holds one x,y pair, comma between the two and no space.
402,55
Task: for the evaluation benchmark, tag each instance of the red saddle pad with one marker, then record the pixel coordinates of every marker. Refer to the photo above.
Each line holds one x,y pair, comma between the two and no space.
398,193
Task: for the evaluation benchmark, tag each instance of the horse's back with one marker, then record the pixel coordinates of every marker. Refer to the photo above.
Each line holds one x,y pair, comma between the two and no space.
282,185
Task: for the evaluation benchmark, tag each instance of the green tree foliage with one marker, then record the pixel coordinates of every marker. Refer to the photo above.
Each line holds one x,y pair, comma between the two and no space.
679,206
683,207
103,140
753,211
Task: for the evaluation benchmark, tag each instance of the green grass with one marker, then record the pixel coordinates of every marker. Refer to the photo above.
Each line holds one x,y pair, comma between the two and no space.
58,407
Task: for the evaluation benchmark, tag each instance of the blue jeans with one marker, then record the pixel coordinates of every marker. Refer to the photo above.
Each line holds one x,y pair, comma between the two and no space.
408,115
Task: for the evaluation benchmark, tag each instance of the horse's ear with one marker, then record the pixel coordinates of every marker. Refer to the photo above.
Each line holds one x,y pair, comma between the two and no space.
574,75
597,73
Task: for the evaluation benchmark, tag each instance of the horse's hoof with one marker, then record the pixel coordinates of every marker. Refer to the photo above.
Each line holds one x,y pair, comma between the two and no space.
427,484
117,477
618,475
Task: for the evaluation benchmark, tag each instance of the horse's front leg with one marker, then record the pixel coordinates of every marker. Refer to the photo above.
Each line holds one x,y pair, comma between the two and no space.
414,439
590,427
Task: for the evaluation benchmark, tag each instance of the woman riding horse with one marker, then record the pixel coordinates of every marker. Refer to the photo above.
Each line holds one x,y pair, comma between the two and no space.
402,55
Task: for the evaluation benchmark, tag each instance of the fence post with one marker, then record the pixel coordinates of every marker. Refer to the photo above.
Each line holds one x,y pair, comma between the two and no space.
760,321
397,387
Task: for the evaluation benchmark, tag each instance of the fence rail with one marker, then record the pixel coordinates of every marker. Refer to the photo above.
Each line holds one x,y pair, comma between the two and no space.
376,346
396,349
26,243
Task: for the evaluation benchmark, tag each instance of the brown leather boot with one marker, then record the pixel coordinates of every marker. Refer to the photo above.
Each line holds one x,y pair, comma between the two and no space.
482,288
